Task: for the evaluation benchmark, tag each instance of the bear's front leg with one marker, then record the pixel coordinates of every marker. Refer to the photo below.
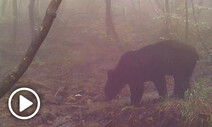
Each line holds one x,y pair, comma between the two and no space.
136,94
182,83
160,84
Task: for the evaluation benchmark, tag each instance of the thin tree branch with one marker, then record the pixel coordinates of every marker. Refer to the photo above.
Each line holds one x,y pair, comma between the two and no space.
14,76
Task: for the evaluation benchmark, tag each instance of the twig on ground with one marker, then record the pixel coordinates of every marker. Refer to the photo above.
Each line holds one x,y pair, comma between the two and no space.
58,91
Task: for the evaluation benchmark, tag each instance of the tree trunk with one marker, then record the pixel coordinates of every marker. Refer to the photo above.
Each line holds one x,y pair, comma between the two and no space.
177,3
15,20
32,18
124,8
3,7
19,10
186,25
167,20
201,2
37,11
14,76
111,31
160,5
205,47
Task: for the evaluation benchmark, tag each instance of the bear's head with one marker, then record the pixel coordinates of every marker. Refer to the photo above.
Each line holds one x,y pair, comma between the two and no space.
114,84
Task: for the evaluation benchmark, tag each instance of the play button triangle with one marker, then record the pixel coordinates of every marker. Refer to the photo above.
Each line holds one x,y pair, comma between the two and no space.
24,103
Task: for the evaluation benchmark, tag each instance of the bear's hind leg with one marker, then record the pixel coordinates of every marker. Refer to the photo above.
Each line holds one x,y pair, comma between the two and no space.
136,94
160,84
182,83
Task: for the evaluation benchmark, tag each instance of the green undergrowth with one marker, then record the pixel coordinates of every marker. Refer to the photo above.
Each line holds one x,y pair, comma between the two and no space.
196,109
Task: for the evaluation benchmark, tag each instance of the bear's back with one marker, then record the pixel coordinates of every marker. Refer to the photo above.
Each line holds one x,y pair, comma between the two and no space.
169,49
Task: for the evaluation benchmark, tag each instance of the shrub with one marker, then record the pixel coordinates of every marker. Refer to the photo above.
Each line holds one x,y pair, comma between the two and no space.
196,108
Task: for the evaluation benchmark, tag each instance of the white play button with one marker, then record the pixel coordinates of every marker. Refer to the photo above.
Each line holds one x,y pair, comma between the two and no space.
24,103
25,108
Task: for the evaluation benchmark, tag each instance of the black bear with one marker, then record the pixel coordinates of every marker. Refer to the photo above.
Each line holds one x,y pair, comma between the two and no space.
152,63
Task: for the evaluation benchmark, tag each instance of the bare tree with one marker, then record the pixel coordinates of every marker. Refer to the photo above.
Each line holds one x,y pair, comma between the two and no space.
160,5
124,8
3,7
32,18
14,76
201,2
186,25
15,20
165,8
111,31
37,11
205,47
177,3
167,20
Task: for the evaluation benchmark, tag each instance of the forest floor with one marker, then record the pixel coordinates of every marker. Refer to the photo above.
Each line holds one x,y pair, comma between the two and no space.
80,103
69,76
84,106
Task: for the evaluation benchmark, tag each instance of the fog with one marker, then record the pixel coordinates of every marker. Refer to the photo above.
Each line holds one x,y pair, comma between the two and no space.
78,51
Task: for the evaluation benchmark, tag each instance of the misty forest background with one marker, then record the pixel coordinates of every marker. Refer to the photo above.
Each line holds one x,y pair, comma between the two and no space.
87,39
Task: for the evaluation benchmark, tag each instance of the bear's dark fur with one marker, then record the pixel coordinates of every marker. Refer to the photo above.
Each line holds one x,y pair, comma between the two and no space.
152,63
